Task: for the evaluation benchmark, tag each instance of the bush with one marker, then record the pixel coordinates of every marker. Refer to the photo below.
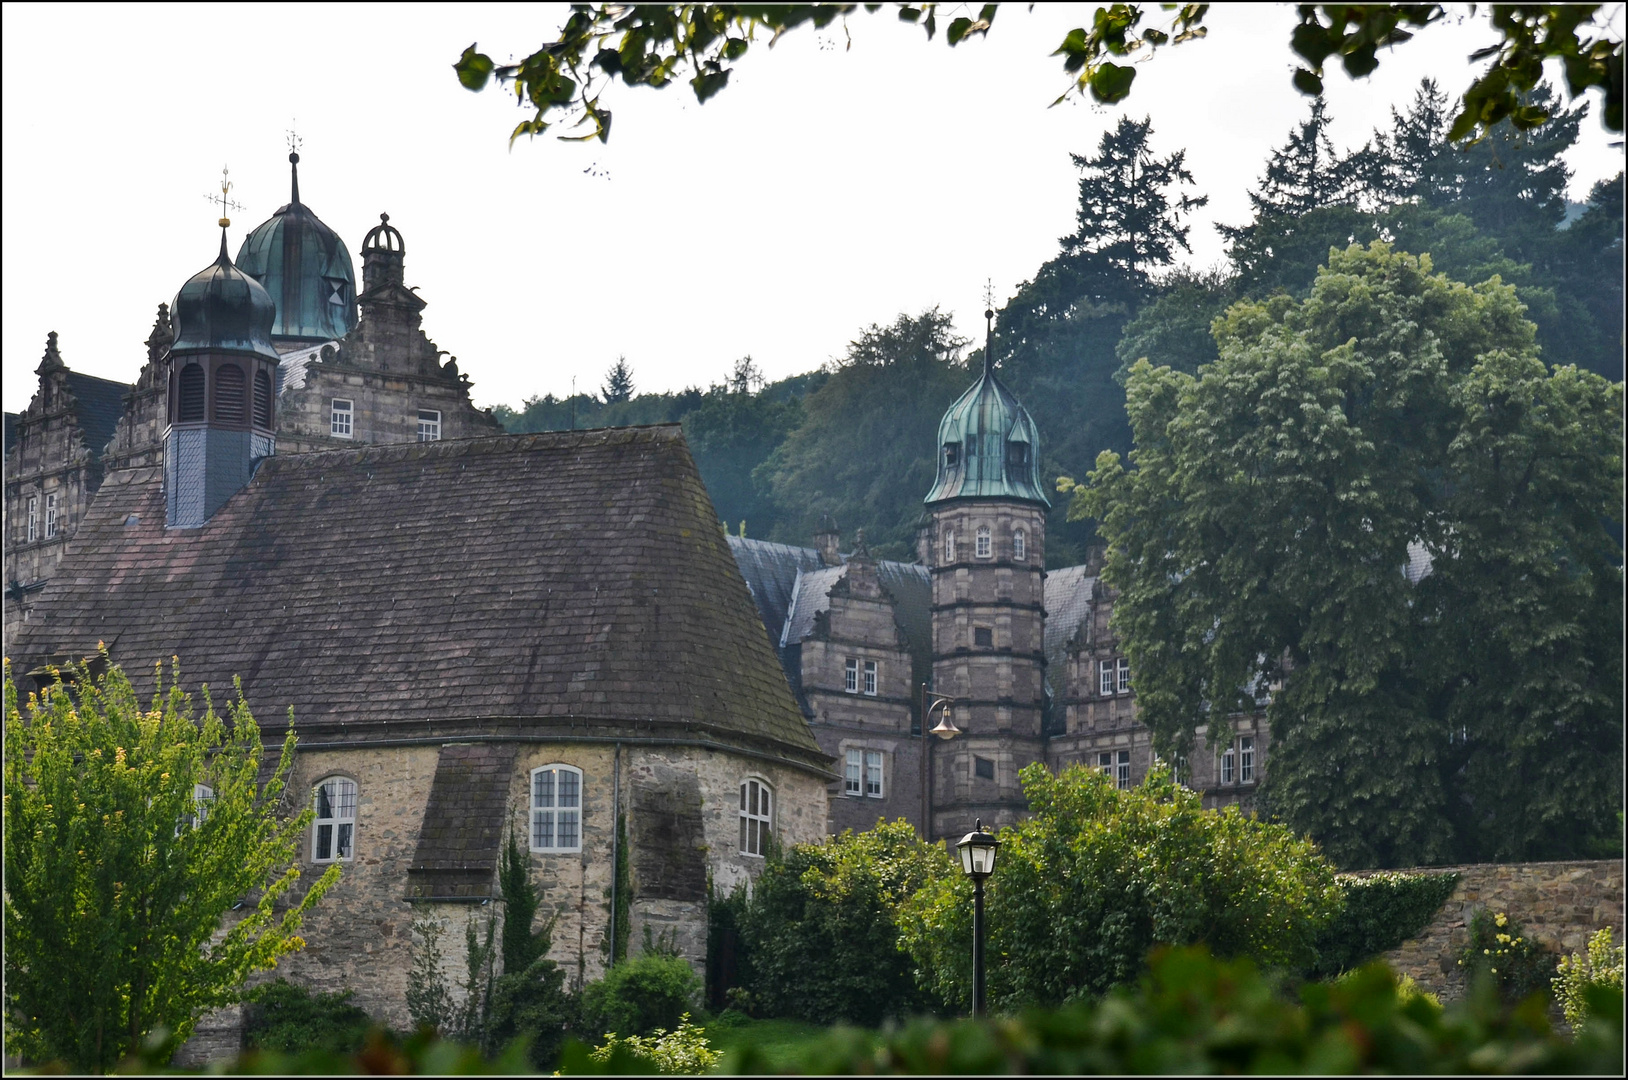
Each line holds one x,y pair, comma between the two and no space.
638,996
281,1016
1601,966
683,1051
1380,912
1097,876
1498,951
818,936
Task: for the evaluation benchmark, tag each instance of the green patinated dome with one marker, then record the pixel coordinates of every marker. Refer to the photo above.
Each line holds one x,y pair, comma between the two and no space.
220,308
306,268
988,447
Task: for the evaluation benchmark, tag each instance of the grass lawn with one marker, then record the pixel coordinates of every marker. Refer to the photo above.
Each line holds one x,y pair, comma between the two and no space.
777,1040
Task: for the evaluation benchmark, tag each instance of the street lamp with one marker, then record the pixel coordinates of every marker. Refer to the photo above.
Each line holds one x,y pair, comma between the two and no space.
977,850
946,730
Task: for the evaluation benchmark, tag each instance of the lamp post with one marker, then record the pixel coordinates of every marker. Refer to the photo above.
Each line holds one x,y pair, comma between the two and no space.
977,850
945,730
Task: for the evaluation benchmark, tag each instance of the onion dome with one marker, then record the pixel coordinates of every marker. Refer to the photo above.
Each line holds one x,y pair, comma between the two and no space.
221,308
988,445
306,268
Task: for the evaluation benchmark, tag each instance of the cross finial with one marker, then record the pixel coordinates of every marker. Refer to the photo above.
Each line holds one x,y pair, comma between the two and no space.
225,202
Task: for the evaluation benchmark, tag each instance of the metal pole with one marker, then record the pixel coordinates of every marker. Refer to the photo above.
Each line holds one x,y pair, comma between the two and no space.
926,776
977,947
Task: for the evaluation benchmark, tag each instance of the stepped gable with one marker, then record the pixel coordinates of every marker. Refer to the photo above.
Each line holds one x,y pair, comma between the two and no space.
518,585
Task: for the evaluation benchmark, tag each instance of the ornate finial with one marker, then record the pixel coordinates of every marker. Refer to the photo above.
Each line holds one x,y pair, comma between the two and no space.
222,199
989,326
52,360
163,334
385,218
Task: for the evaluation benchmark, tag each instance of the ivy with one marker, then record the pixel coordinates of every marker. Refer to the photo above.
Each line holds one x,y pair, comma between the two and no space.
1381,911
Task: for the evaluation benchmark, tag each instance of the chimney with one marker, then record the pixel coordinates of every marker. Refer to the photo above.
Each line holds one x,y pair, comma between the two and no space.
826,539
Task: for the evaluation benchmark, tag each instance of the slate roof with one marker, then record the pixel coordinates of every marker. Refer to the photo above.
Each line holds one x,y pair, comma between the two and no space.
100,403
770,570
1069,593
525,584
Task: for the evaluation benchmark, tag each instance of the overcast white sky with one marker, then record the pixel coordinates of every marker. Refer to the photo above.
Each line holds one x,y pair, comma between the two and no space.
824,190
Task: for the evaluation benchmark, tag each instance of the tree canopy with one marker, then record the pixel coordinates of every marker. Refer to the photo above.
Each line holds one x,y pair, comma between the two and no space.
1391,418
130,834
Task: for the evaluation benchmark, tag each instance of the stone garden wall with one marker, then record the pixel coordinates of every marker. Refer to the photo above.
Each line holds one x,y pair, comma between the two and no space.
1557,903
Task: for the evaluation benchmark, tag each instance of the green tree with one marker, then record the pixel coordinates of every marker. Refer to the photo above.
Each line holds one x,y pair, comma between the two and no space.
1260,537
819,934
529,998
618,382
1095,877
130,834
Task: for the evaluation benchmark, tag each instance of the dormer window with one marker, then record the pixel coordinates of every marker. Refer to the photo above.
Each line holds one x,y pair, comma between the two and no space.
429,425
952,455
1017,455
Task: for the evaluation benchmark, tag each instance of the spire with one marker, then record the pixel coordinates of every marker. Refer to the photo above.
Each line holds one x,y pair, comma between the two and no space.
52,360
224,257
294,173
989,341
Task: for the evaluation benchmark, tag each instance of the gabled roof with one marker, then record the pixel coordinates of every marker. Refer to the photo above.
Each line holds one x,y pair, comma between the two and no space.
528,584
770,570
100,403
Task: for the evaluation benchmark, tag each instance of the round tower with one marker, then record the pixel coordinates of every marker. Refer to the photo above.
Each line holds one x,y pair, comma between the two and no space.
988,537
222,402
306,268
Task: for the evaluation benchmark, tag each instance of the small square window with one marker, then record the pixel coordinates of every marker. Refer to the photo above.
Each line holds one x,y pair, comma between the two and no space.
341,419
952,455
873,774
429,425
983,637
1122,770
983,768
870,677
850,675
853,774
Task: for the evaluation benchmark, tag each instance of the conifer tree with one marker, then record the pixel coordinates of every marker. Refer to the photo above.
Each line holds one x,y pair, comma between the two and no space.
618,382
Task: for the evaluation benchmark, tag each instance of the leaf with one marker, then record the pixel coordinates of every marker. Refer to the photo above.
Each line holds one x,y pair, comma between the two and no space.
735,48
474,69
1307,82
709,83
958,30
1111,82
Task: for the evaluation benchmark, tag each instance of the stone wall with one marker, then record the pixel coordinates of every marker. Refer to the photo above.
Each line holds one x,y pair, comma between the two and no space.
1557,903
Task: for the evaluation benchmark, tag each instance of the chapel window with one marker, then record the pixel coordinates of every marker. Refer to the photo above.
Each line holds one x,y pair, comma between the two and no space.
333,834
982,547
429,425
1020,545
756,816
341,418
190,405
229,390
262,400
556,808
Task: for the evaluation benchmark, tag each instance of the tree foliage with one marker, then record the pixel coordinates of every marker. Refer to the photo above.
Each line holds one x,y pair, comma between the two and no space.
529,999
656,46
618,382
131,833
1260,538
1095,877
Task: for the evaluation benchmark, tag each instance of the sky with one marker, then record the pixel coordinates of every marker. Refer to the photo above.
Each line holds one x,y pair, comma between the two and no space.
844,177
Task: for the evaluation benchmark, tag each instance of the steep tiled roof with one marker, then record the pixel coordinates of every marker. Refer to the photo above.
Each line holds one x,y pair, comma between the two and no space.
531,583
1068,597
100,403
770,571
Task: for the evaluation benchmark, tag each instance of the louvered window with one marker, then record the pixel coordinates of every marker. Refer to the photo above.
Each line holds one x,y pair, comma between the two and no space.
229,388
192,393
262,400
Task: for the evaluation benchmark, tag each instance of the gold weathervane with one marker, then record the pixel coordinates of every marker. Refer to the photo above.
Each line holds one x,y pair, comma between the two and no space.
225,202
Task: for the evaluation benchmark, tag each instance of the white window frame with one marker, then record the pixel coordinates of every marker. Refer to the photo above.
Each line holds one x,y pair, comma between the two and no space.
33,518
1105,764
873,774
756,816
1229,770
949,545
868,685
850,675
341,819
1124,665
1020,545
1105,677
429,425
1246,760
853,780
342,418
50,515
557,807
982,545
1122,770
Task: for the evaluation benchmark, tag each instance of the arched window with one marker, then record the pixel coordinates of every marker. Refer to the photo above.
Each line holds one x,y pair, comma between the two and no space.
982,546
262,400
190,405
333,834
1020,545
556,808
229,387
757,816
949,545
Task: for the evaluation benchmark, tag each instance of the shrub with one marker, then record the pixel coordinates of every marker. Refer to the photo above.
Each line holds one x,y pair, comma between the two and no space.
1600,966
819,938
1380,912
281,1016
1498,950
529,999
1097,876
639,996
683,1051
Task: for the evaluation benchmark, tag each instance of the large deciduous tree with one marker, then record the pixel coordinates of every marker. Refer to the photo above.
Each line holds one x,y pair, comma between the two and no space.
1261,533
130,834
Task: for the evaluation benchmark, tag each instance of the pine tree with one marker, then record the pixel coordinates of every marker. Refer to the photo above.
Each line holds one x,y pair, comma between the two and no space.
618,382
1306,173
1420,164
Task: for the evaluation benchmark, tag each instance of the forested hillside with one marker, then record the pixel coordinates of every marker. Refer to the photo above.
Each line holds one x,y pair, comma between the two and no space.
857,439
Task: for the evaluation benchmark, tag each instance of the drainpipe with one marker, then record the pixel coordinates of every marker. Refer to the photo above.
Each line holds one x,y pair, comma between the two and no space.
616,836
